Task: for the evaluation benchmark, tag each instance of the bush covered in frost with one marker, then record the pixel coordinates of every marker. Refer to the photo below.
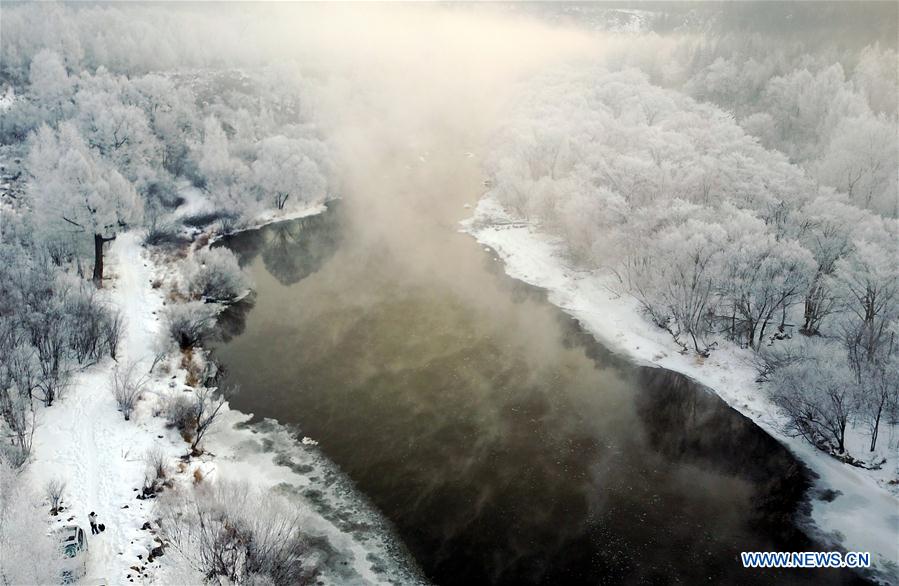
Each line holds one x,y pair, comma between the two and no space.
213,274
231,533
180,412
189,323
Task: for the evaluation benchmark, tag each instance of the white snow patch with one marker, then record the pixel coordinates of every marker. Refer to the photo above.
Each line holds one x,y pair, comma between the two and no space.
272,216
7,99
195,201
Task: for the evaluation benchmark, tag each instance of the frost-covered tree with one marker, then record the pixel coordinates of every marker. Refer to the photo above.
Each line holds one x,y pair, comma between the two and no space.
50,86
283,169
878,393
808,105
860,161
688,260
826,231
226,176
869,278
47,326
876,76
172,115
76,191
762,279
117,130
817,394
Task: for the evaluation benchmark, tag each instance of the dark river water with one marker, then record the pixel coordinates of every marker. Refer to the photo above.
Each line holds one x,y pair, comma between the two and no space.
505,445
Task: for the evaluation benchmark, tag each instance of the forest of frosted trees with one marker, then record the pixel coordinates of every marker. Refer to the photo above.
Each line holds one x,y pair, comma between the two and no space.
102,134
754,199
100,152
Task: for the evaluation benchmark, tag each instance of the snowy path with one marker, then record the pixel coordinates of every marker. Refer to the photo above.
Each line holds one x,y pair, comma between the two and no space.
86,441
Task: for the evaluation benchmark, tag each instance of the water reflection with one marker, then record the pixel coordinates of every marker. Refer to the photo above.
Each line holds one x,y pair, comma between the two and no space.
504,444
291,251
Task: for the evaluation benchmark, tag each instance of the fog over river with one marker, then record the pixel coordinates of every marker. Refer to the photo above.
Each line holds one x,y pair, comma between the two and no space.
504,444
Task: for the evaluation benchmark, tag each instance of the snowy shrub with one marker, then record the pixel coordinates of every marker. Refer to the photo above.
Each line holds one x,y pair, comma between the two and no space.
189,323
213,274
18,380
180,412
228,223
53,323
162,349
86,331
112,330
12,454
95,329
769,359
208,404
155,459
127,387
205,219
159,234
54,490
48,328
233,534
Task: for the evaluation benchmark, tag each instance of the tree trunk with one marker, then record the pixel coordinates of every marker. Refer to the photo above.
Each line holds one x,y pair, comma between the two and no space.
812,305
762,333
876,426
98,260
99,241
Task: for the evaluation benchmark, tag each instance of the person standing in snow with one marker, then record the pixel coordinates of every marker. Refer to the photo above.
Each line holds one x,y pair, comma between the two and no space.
93,520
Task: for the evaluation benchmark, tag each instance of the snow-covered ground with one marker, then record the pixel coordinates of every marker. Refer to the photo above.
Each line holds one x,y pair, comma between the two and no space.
84,440
864,516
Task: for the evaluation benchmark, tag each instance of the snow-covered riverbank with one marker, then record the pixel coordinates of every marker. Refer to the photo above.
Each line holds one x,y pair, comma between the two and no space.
864,514
196,203
84,440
